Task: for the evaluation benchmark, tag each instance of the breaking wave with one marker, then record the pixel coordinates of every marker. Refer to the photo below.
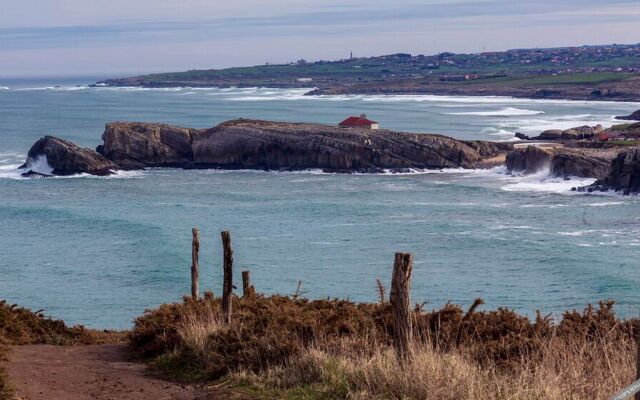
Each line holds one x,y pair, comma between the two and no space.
545,183
504,112
41,165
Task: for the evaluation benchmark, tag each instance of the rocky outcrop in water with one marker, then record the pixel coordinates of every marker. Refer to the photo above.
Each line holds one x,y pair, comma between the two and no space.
634,116
578,133
64,158
624,176
561,162
274,145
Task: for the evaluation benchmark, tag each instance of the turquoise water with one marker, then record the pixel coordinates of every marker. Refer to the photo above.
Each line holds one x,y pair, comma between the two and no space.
98,251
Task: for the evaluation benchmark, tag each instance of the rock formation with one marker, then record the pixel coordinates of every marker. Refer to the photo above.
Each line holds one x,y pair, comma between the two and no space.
577,133
65,158
134,145
266,145
634,116
624,131
580,165
563,162
529,160
624,176
288,146
276,145
279,145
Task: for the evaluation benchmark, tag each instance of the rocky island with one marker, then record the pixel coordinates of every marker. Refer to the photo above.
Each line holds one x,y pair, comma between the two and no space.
251,144
283,146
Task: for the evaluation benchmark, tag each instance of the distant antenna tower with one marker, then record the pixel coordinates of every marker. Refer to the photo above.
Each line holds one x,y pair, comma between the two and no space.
351,56
484,47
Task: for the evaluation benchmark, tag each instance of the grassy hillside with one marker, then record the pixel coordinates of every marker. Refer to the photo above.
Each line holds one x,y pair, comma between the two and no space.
523,63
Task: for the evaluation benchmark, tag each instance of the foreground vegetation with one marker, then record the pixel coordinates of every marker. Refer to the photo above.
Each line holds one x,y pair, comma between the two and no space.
281,347
19,326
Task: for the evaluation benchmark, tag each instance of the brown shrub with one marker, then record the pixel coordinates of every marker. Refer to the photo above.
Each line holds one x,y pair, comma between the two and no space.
268,332
565,370
22,326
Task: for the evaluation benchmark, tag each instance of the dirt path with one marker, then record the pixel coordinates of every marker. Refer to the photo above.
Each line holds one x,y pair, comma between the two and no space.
43,372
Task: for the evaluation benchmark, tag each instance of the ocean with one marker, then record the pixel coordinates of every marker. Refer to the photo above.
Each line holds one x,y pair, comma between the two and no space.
99,251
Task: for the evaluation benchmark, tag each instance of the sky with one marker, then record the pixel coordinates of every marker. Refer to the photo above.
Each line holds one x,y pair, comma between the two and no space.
124,37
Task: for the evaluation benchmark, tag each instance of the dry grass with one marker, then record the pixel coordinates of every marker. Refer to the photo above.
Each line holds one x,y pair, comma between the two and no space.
565,371
331,349
197,324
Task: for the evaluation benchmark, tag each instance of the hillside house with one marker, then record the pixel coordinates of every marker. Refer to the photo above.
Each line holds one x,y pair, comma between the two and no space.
359,122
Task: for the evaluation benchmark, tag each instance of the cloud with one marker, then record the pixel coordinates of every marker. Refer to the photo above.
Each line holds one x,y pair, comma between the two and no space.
196,24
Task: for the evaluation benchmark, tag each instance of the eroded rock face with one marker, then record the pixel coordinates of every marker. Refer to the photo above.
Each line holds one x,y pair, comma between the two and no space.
561,162
62,157
134,145
529,160
275,145
580,165
624,176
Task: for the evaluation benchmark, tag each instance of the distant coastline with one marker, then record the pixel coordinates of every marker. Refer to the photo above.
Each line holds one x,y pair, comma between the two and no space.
602,73
603,92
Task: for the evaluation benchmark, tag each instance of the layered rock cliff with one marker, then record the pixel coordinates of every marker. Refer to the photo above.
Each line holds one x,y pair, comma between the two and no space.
624,176
563,162
134,145
276,145
279,145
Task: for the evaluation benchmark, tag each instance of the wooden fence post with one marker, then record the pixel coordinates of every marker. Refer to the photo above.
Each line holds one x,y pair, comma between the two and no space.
401,303
247,289
227,287
195,274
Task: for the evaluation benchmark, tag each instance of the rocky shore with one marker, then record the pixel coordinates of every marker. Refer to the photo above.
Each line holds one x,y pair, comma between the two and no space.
282,146
610,91
623,177
562,162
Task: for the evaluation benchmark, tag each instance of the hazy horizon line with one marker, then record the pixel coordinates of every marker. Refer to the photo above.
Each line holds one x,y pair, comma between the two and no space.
125,74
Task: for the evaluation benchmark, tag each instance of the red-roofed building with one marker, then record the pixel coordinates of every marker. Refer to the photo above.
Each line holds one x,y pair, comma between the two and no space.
359,122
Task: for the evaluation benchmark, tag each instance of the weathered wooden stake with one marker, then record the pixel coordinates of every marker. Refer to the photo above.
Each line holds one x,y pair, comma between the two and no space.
195,274
401,303
247,289
227,287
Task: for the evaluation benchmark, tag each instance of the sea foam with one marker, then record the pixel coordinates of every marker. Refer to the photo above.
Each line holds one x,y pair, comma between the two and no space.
503,112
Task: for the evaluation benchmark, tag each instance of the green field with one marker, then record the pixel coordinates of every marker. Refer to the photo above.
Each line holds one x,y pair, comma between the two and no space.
594,78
